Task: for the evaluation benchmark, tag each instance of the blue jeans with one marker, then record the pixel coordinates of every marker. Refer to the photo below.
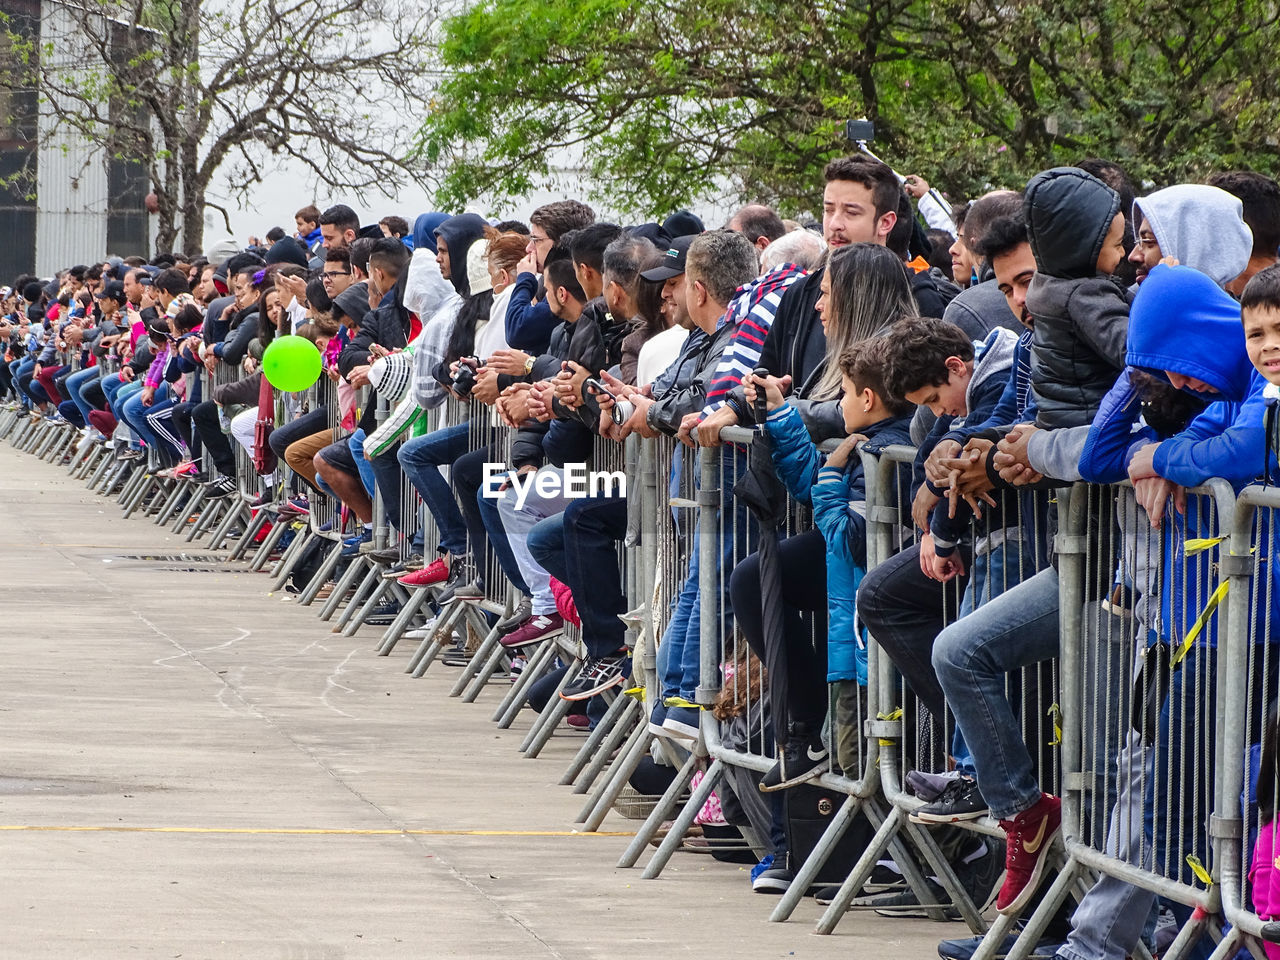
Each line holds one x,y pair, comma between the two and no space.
75,382
992,574
22,377
421,459
498,539
579,548
679,657
118,398
71,413
971,656
135,413
355,443
381,474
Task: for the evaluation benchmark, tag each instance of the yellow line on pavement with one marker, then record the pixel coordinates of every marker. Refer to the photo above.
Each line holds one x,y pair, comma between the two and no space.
308,831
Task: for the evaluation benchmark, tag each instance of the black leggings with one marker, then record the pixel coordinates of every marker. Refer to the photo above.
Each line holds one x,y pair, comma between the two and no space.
797,666
180,416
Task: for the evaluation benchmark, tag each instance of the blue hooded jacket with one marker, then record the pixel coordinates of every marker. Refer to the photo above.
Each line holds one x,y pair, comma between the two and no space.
1192,327
424,230
838,497
1185,323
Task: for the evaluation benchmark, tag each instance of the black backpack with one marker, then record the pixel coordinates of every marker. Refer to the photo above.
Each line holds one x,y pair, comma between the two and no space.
308,565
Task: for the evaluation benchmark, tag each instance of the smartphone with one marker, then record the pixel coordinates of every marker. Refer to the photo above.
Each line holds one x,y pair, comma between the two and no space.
859,130
599,387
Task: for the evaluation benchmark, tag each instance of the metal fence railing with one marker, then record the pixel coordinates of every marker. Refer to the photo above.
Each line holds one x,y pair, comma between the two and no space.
1155,723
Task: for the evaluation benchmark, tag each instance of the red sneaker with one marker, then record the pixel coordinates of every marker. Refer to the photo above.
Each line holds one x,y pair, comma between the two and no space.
435,572
534,629
1028,837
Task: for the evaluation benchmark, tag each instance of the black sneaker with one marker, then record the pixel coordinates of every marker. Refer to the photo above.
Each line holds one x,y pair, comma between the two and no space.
401,567
980,870
885,878
384,614
219,488
961,800
387,555
522,612
598,674
799,761
775,880
905,905
459,576
456,655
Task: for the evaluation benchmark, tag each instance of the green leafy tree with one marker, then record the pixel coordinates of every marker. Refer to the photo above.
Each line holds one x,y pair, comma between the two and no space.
672,101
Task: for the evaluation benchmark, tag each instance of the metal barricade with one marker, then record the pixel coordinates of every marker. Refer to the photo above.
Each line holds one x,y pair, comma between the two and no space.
658,514
1139,731
606,456
1247,801
725,535
913,736
328,518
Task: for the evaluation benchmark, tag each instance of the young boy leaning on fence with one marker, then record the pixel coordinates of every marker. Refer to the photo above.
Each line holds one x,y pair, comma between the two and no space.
1260,313
836,487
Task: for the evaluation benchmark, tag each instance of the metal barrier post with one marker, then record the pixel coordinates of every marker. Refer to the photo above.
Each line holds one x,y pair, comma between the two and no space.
1245,567
708,499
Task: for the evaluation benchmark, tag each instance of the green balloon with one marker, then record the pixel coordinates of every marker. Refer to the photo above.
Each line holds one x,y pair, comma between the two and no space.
291,363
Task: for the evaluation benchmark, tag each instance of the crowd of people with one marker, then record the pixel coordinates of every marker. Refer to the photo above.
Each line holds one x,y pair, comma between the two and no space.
1026,340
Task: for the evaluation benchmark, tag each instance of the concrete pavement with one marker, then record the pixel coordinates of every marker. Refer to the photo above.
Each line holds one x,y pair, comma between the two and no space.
190,767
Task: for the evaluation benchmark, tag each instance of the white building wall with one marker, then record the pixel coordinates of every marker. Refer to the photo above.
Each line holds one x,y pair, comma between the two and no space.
71,191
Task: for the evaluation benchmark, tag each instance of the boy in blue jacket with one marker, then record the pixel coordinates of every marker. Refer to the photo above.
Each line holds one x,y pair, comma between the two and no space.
836,490
1184,329
1260,313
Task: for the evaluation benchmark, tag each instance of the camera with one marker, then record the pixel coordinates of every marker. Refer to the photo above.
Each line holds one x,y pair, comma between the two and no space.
622,411
465,379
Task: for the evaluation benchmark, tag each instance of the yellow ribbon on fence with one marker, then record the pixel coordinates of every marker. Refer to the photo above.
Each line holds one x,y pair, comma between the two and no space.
894,714
1056,712
1200,545
1189,640
1198,869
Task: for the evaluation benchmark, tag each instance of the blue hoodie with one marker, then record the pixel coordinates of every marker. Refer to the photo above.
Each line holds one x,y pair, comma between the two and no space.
1192,327
1189,325
424,230
1185,323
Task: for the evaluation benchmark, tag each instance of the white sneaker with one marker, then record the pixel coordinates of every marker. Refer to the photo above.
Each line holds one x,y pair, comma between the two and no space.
422,632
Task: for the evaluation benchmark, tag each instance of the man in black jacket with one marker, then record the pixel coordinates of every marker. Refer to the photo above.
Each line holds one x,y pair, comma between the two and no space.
859,205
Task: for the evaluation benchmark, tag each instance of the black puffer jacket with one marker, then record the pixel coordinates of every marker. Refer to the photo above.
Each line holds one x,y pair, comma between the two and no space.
1081,316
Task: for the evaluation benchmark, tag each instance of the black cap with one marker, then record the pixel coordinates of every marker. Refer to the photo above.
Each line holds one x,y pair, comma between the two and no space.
673,260
114,290
682,223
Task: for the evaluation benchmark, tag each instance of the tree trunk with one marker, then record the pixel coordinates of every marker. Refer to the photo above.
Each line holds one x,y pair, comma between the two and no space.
167,231
193,190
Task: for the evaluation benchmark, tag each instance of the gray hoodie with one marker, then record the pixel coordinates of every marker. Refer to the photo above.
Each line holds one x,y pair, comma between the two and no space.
1201,227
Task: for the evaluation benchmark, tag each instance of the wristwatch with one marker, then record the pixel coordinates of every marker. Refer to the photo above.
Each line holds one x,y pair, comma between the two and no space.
528,366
